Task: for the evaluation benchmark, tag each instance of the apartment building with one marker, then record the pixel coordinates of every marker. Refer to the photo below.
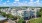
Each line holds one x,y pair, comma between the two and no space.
27,12
20,12
30,13
13,12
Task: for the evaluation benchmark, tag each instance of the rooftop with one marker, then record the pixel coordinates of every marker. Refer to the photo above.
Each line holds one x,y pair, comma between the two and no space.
2,18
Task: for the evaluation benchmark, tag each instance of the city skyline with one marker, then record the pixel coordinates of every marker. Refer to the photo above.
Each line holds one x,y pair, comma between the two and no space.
20,2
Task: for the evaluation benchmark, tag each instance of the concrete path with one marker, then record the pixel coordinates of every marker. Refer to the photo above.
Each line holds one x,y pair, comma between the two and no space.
10,21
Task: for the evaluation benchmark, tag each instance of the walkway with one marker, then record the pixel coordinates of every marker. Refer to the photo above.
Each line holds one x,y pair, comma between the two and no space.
10,21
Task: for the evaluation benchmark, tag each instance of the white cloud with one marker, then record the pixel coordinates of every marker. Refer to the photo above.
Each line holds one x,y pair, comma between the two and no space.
16,0
23,4
0,0
4,3
8,1
37,1
20,4
31,3
31,0
26,2
17,3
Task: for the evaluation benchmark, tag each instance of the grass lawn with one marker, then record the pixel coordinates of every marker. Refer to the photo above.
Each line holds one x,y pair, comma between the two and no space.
38,20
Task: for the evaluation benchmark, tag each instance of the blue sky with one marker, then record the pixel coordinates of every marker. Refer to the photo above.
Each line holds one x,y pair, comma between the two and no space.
20,2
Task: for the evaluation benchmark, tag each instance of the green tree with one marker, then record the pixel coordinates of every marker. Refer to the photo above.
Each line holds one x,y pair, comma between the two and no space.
20,20
3,14
18,17
40,13
9,16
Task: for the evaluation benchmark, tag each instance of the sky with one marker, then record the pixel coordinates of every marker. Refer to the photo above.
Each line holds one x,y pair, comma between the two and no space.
20,2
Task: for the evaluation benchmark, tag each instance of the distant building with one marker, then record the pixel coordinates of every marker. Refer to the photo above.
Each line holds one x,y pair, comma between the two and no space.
21,12
31,13
13,12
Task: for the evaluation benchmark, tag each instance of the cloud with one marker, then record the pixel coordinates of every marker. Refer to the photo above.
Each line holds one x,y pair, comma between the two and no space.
8,1
36,3
31,3
4,3
16,0
19,3
26,3
31,0
0,0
